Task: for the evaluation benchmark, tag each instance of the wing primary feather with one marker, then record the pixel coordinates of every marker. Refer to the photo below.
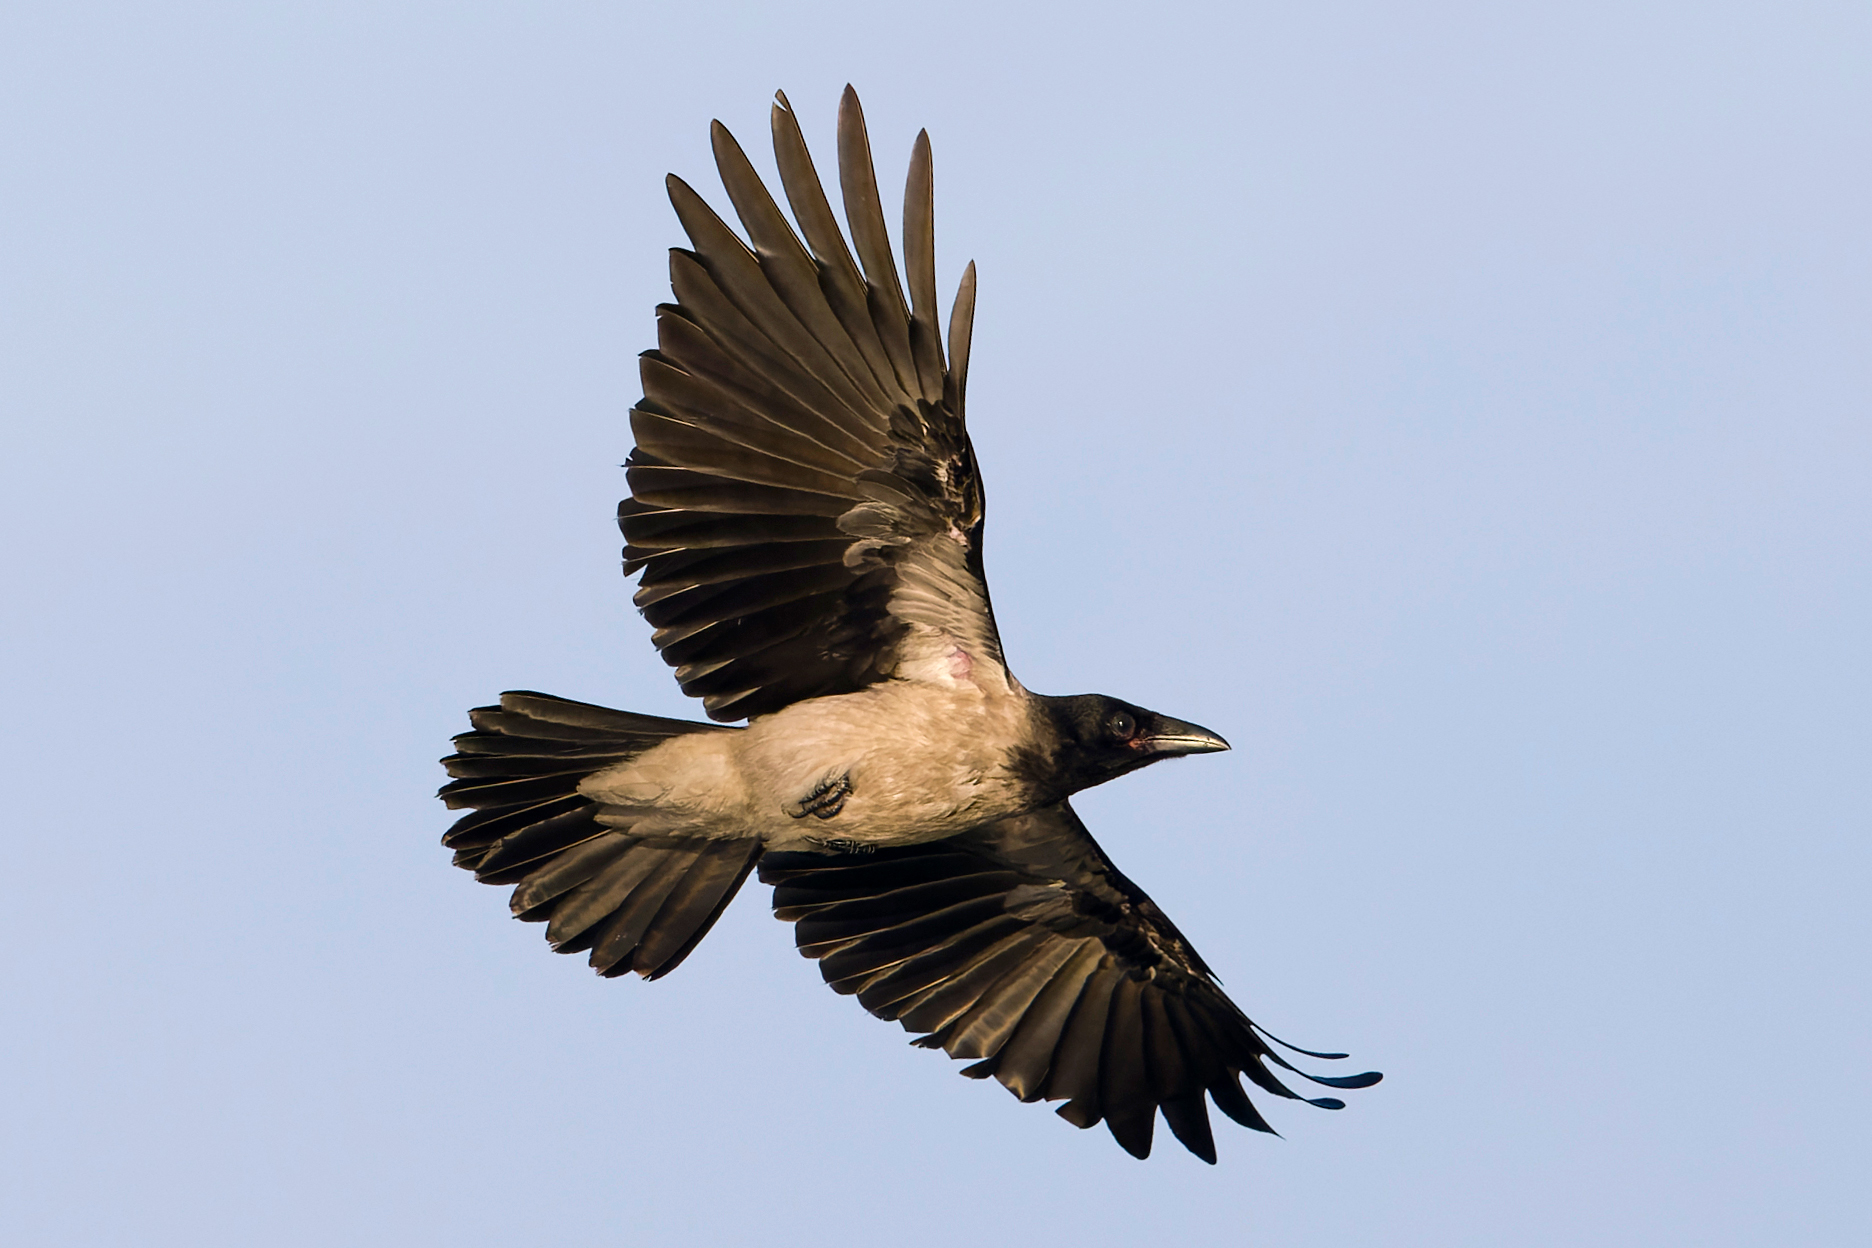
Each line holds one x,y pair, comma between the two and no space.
1169,1070
1124,1072
1365,1080
806,194
1294,1048
1203,1058
920,268
961,331
789,267
738,272
864,214
1229,1097
1327,1081
722,318
1178,1090
701,302
1234,1037
843,284
1189,1122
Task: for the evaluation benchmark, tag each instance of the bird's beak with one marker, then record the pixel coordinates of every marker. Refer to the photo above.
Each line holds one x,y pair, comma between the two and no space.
1173,736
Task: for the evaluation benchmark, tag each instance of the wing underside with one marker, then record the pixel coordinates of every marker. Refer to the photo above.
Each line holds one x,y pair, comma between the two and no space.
804,500
1021,947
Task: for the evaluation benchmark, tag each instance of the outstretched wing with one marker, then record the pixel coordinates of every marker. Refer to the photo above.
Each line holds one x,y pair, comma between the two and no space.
804,506
1019,944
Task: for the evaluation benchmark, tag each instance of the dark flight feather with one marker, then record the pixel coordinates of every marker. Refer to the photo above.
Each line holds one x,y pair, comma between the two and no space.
791,269
920,268
639,903
1020,945
840,279
864,214
961,333
795,396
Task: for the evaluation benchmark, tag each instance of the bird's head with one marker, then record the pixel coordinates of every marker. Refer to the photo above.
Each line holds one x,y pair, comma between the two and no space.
1100,738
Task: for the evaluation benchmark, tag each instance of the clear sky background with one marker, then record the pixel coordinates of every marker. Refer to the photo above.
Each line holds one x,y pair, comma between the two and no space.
1464,408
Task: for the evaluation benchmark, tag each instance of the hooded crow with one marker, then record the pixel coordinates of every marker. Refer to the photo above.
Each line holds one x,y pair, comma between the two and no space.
806,515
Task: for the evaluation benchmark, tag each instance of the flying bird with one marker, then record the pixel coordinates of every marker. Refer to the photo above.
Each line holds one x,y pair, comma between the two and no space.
806,515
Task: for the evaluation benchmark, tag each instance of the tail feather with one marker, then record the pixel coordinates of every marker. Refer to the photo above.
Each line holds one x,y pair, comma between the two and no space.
638,903
695,903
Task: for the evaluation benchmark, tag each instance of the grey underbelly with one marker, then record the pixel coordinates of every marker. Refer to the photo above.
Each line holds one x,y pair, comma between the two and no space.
899,767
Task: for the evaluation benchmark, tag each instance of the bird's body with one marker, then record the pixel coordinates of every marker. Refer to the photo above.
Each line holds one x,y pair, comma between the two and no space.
920,762
807,517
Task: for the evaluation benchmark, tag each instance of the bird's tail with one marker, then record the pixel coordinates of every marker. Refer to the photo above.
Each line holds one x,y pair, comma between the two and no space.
639,903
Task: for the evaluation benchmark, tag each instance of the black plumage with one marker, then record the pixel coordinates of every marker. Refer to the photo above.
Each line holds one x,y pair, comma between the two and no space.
641,903
805,519
1099,1001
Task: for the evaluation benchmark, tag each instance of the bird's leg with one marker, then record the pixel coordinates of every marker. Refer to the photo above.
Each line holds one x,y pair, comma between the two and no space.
825,801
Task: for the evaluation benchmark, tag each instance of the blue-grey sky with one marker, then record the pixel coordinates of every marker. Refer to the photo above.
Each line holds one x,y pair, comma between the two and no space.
1465,408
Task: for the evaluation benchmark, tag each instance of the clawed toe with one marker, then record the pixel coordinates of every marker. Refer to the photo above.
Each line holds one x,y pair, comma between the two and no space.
839,845
825,801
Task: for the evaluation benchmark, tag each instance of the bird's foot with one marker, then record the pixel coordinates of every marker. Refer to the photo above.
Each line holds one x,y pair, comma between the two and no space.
824,801
840,845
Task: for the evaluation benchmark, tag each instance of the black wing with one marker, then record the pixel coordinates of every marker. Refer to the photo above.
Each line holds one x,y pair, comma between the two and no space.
804,506
1020,944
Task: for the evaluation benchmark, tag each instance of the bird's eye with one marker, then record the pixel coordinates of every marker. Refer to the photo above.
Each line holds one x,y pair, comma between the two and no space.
1121,726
